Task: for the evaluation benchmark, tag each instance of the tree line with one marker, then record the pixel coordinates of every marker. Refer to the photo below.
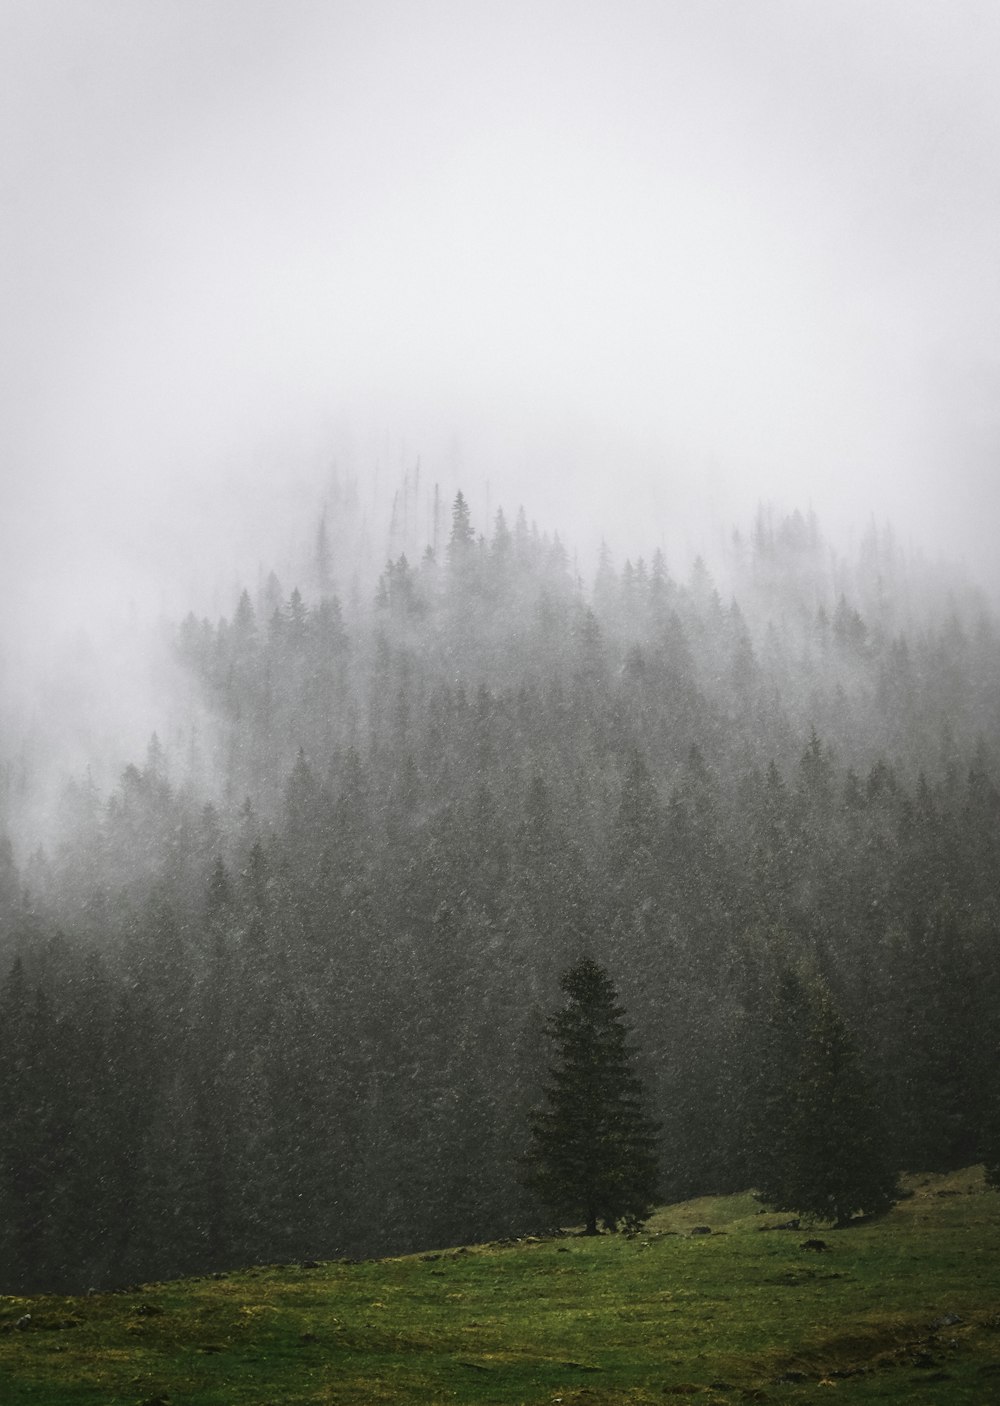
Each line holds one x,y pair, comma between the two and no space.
282,994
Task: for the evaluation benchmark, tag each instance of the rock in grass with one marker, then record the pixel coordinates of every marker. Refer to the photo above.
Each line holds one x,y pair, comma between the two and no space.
946,1320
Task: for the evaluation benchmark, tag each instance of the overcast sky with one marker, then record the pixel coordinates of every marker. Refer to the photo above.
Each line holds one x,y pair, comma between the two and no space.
621,259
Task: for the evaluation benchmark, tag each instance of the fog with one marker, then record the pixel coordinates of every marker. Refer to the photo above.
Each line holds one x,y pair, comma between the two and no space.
638,266
287,885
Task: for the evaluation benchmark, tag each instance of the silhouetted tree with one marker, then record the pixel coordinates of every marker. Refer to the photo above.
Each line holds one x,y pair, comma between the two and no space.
594,1147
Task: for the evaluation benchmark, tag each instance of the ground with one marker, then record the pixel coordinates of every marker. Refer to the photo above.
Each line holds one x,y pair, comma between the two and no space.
711,1303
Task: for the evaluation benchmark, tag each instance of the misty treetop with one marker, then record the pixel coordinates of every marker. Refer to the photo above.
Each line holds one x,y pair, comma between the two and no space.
279,994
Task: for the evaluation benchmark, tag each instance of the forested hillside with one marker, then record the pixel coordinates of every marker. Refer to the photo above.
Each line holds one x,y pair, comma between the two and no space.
281,994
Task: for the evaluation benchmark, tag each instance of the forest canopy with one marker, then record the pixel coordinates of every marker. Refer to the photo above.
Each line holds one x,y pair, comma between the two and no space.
281,993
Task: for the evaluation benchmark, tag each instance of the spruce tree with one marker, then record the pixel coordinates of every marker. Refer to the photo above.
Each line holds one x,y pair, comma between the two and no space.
819,1148
593,1154
462,537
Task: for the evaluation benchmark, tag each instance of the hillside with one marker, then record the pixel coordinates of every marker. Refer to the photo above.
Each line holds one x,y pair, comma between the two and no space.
280,994
906,1309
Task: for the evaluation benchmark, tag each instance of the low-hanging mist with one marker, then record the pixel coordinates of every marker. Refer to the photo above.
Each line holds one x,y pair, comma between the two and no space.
276,994
321,760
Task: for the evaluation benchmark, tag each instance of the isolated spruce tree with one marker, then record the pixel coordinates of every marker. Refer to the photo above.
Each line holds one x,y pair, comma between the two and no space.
593,1152
819,1147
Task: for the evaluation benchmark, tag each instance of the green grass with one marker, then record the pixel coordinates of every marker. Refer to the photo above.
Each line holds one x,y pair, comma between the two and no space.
735,1316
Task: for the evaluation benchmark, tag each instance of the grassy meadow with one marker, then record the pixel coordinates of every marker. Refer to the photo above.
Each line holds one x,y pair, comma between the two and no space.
903,1309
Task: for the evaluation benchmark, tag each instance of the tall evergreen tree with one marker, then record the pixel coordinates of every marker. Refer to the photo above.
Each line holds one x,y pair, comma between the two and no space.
819,1148
594,1148
462,535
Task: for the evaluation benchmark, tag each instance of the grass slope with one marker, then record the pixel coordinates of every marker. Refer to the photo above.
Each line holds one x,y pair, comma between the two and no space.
905,1309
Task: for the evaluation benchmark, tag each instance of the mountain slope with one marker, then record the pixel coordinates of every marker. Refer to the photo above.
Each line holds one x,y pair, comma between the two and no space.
906,1309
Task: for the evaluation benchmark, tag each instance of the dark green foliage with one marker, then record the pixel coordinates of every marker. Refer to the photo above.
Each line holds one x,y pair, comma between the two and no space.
324,925
593,1152
818,1143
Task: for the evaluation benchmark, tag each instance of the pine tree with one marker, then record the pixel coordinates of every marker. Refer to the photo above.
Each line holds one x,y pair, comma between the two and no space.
462,536
818,1145
594,1149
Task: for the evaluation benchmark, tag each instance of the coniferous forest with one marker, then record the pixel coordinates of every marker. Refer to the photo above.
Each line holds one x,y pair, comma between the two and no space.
282,992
